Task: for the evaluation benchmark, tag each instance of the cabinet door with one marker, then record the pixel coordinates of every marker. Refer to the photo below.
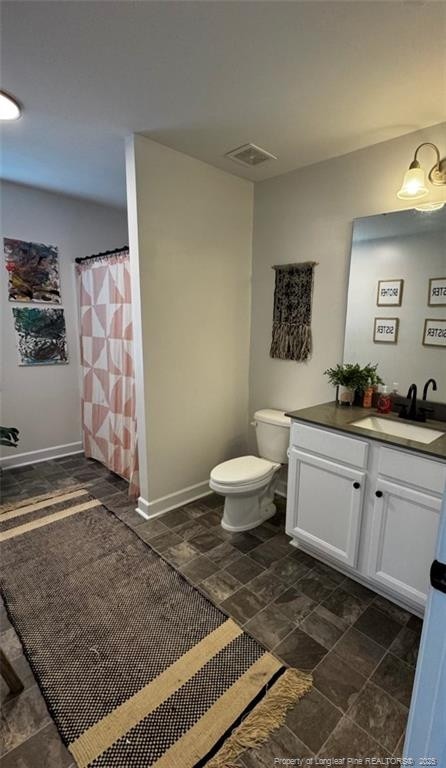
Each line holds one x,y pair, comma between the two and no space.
402,544
324,505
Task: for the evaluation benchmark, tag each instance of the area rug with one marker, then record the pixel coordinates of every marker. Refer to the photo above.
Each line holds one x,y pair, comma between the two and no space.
138,668
8,506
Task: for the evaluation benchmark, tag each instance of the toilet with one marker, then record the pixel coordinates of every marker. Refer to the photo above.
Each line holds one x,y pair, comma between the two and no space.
249,482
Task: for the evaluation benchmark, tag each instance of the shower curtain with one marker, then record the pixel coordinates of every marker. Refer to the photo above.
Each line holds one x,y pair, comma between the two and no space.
108,384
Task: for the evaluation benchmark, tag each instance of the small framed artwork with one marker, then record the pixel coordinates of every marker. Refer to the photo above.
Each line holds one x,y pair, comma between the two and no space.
41,335
434,334
33,270
390,293
437,292
385,330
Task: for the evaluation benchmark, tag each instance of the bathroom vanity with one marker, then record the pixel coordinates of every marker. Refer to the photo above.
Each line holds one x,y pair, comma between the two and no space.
367,501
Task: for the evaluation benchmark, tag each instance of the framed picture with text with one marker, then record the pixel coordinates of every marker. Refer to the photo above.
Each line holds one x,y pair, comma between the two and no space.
390,293
434,334
437,292
385,330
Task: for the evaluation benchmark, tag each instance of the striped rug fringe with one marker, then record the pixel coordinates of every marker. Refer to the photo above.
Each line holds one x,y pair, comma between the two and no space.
10,505
265,718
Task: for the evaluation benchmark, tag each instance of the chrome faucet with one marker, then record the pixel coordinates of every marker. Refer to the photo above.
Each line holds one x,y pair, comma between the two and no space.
426,387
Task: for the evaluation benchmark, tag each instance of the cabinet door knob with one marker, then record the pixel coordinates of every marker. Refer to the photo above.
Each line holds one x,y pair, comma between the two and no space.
356,485
378,494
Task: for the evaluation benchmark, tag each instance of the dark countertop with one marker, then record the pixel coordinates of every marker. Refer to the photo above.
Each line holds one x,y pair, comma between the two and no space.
340,417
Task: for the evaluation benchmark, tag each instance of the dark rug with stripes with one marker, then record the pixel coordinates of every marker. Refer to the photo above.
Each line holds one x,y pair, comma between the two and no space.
137,667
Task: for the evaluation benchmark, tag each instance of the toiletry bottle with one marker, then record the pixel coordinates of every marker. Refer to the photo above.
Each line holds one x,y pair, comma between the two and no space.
368,395
384,404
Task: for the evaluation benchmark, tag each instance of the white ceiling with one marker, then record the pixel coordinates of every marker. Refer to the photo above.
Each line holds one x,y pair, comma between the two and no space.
304,80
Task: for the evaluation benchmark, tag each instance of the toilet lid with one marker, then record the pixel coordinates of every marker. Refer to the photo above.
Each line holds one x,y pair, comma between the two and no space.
245,469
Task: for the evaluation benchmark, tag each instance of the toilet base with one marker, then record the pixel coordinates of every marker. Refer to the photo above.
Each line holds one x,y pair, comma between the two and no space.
267,513
241,513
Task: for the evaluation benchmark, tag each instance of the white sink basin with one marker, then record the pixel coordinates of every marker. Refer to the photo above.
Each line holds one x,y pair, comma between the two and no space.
398,428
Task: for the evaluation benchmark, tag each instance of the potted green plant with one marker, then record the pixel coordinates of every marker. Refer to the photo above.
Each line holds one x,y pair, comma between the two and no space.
346,378
368,377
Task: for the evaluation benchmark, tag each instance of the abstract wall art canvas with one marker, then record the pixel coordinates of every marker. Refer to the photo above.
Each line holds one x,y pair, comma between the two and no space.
33,271
41,335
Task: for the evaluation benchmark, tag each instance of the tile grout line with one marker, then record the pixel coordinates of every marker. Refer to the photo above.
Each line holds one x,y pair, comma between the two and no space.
369,736
295,584
28,738
310,614
351,626
368,680
286,587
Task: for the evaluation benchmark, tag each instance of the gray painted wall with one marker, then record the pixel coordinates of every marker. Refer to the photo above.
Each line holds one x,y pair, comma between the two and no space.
191,227
44,401
307,215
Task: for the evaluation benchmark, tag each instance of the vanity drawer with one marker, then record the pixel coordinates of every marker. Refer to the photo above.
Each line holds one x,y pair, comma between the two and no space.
332,444
412,469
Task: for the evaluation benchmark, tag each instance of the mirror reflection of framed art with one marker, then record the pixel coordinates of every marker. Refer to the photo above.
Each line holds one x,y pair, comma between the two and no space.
434,334
390,293
385,330
386,248
437,292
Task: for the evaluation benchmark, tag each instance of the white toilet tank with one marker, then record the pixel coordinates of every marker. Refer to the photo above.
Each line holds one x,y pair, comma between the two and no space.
273,434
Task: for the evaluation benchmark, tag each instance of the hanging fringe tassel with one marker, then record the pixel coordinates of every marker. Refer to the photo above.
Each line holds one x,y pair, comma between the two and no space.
265,718
291,342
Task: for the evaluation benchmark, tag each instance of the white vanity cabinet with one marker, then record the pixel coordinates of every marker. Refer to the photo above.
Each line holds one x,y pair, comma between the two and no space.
339,489
405,513
366,508
326,481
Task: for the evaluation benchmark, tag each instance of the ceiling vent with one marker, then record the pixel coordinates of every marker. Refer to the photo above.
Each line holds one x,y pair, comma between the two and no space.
250,155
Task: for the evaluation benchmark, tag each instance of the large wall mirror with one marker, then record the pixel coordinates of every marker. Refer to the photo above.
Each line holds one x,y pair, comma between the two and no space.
396,311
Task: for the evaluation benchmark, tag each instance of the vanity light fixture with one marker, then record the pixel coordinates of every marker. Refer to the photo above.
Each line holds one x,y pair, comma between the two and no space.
414,182
9,108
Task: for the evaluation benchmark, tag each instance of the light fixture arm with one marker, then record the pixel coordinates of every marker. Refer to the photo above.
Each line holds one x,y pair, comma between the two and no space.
437,174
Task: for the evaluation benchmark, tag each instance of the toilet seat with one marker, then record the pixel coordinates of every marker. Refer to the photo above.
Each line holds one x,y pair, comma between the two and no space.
245,470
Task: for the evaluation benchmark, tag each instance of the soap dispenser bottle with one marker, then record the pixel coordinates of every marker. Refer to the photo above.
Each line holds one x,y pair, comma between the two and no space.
384,404
368,395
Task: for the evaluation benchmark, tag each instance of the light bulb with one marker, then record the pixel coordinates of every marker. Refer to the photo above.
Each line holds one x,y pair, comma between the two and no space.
414,185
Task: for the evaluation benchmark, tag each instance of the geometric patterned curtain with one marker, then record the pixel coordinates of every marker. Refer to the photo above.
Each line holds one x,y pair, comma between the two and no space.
108,382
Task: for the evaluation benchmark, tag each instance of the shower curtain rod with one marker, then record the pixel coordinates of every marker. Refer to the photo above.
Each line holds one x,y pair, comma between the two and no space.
80,259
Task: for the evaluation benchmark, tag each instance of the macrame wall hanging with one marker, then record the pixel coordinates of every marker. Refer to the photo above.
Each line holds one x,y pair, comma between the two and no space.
293,295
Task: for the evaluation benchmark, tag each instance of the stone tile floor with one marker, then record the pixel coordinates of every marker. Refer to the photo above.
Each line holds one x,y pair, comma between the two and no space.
360,648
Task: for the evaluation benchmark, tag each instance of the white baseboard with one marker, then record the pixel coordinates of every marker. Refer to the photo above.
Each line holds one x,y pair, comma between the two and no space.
43,454
157,507
142,507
